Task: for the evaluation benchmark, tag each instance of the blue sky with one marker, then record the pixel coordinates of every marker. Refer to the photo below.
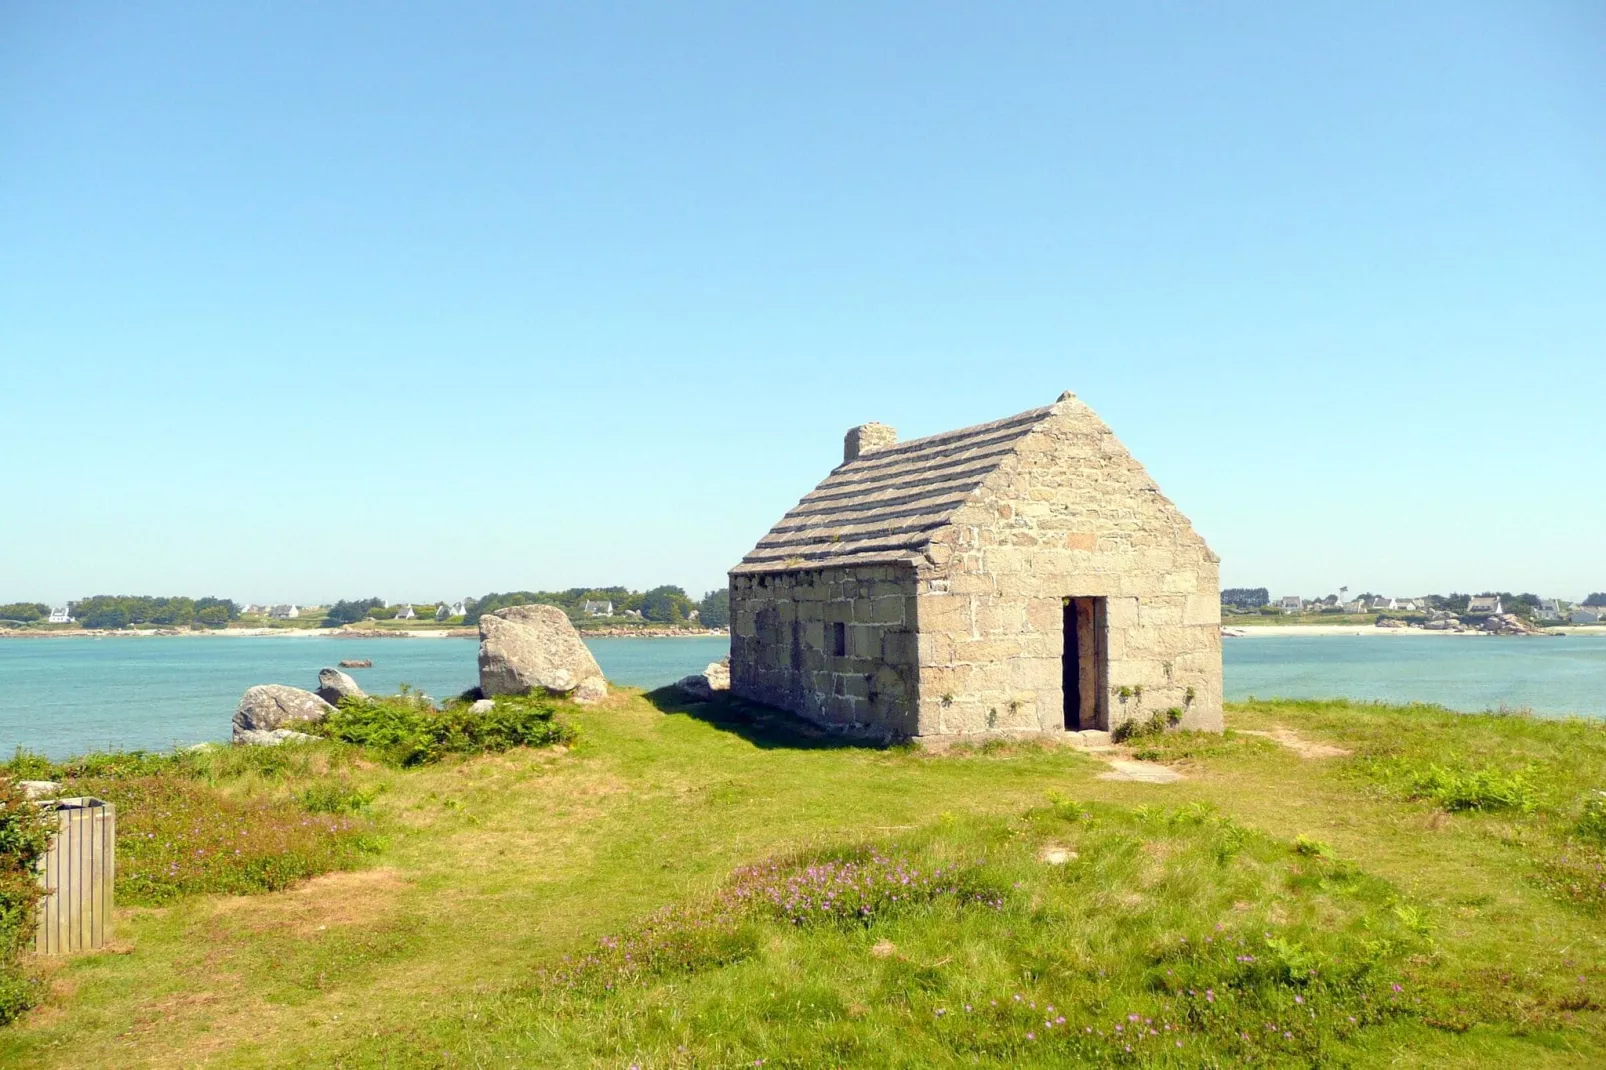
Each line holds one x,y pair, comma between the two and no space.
318,301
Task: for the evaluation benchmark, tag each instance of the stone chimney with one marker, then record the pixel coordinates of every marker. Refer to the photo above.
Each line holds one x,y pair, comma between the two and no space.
867,438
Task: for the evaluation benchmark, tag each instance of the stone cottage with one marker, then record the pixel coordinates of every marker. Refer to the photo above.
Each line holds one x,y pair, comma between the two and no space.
1021,576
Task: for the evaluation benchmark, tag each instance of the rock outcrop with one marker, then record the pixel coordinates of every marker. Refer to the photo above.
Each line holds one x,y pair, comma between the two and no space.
267,708
257,738
592,689
524,648
702,685
334,685
1508,624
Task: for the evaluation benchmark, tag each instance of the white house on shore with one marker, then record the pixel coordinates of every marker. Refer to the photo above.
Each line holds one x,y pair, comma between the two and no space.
61,615
1291,604
1549,609
598,609
1488,604
285,612
404,611
1588,615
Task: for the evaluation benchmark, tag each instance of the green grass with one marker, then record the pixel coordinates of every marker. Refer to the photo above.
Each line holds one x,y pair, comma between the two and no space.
224,820
1135,950
1254,908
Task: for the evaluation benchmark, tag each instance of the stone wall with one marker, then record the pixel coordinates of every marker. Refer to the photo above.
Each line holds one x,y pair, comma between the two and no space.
1070,514
785,631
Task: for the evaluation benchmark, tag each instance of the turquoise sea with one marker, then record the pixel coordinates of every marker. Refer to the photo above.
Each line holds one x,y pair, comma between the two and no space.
66,696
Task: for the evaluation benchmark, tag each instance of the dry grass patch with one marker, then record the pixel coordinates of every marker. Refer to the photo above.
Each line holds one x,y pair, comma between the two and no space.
1305,748
330,900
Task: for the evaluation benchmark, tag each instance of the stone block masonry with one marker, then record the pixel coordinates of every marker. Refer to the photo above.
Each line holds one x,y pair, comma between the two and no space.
1022,576
835,645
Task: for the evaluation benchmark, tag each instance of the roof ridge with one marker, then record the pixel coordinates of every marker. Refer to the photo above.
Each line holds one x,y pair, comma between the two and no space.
1030,415
885,506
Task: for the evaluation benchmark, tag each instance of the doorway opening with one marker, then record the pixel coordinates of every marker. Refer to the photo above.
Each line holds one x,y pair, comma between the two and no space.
1086,665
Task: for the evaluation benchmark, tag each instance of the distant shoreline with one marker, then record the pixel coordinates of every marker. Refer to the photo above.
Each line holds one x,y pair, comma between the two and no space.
1278,630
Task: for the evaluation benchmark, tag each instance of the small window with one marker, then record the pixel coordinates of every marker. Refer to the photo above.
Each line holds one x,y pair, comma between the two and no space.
839,639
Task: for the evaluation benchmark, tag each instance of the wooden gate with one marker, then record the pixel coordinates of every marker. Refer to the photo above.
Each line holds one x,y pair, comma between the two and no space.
78,870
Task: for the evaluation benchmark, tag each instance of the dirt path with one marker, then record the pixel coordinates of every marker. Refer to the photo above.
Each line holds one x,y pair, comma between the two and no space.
1305,748
1143,772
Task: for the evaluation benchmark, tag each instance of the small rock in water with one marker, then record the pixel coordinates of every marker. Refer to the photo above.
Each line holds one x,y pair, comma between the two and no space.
357,663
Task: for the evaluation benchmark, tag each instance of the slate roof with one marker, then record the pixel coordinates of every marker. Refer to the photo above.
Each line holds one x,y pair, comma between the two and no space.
884,506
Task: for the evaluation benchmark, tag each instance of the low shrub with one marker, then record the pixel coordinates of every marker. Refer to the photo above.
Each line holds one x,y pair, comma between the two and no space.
1575,874
860,887
177,836
24,838
1312,848
1192,745
1456,789
1154,725
213,763
26,765
335,797
1591,823
857,888
406,730
1575,871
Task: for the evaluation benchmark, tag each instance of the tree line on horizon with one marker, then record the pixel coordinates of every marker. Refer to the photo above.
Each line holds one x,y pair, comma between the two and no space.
661,605
112,611
667,604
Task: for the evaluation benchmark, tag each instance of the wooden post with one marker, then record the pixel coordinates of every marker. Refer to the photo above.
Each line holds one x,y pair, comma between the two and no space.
78,872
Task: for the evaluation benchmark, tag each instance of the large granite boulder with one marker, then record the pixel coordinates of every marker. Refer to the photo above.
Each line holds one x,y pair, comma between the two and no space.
334,685
592,689
267,708
703,685
524,648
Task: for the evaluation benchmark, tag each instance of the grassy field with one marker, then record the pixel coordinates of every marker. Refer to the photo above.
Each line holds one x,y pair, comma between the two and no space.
703,886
